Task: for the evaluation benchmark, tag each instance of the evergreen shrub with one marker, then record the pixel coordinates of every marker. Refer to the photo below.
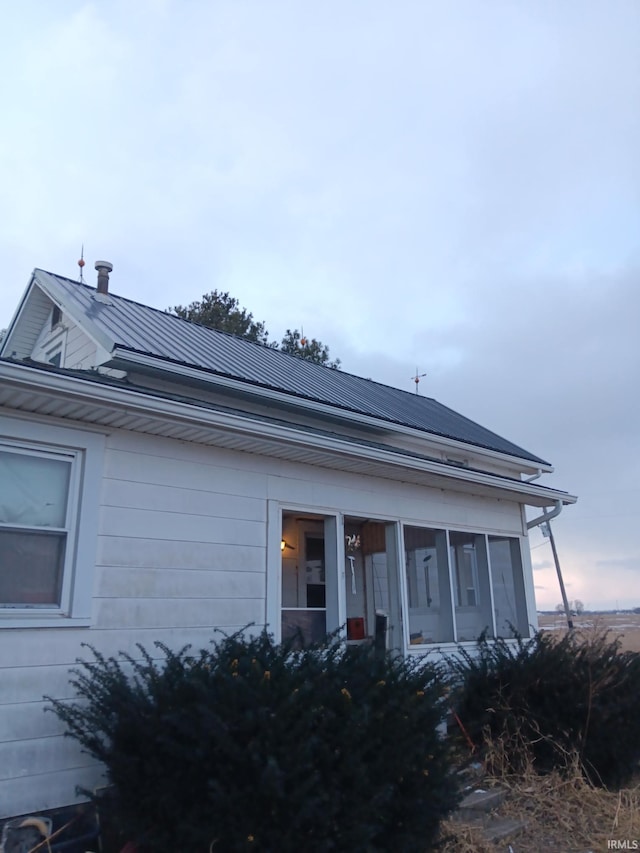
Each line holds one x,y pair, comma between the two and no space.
553,698
254,746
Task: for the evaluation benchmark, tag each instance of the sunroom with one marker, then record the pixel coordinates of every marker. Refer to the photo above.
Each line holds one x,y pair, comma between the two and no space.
359,575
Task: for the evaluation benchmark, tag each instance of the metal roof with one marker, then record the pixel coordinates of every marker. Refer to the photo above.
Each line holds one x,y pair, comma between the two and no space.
150,331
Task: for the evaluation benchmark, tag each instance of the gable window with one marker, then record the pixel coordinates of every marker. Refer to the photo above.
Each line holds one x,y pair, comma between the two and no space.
36,509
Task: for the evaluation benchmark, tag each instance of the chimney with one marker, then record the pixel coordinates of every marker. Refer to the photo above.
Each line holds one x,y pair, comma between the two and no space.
104,268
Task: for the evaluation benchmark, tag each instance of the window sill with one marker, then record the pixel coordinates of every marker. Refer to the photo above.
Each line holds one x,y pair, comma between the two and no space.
21,619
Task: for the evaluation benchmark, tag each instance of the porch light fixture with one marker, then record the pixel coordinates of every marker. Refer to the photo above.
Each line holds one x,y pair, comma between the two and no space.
284,545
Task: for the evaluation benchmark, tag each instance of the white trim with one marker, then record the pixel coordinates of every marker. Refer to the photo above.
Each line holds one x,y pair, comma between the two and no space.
161,410
452,594
88,450
49,286
273,603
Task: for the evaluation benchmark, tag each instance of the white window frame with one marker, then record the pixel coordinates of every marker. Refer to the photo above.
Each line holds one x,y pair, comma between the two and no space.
85,450
523,592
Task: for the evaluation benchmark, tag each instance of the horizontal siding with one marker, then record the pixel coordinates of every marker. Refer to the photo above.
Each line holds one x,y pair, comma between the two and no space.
62,647
124,551
181,552
18,683
178,527
214,472
168,613
80,350
28,720
47,754
42,791
183,501
187,584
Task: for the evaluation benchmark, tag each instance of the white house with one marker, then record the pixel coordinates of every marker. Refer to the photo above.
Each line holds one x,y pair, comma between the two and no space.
159,479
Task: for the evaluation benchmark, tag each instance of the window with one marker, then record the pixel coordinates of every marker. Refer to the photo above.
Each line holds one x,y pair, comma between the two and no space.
508,586
394,584
304,594
35,514
338,573
460,584
427,568
48,523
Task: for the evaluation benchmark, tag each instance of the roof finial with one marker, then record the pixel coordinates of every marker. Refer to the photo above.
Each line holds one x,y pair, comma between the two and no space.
417,379
81,264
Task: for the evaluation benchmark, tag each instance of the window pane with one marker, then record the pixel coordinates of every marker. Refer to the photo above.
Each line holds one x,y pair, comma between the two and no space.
508,586
430,615
310,624
470,572
31,568
33,489
465,569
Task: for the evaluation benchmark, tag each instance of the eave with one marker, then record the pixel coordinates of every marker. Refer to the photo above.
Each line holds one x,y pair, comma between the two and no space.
106,406
127,360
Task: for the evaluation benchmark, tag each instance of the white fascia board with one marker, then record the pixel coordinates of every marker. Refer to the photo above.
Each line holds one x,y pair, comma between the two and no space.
104,343
168,411
5,345
122,357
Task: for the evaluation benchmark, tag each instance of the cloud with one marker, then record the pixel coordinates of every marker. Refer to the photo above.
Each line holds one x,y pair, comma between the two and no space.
447,187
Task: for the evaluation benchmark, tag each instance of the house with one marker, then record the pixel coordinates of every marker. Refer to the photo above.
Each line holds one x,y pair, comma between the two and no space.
159,479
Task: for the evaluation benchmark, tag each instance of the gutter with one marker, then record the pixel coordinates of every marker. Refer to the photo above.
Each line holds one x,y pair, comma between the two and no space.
141,404
128,360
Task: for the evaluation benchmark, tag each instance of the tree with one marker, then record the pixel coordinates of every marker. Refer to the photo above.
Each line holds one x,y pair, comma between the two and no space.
221,311
295,343
576,607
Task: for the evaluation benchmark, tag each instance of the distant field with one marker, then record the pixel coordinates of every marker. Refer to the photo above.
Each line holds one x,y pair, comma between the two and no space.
624,625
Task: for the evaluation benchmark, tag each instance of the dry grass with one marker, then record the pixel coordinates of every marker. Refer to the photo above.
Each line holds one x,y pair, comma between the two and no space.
564,812
625,626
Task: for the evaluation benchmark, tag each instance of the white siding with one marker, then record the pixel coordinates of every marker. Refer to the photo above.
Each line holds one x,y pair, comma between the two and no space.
80,352
181,549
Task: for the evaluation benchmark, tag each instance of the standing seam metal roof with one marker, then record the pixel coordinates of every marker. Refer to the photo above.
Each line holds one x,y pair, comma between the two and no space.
150,331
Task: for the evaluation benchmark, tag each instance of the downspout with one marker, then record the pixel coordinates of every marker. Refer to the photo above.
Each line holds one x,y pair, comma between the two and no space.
546,516
541,519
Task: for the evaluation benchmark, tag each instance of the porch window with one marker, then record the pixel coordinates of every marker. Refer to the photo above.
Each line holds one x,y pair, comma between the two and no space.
507,580
428,591
338,575
459,584
472,591
35,520
304,580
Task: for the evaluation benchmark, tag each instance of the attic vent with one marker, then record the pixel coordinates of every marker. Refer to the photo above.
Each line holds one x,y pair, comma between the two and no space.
56,316
104,268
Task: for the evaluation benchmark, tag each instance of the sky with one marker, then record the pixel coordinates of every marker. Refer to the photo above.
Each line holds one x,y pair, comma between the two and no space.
448,187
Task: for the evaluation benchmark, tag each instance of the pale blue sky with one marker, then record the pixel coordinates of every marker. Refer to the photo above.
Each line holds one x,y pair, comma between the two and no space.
449,185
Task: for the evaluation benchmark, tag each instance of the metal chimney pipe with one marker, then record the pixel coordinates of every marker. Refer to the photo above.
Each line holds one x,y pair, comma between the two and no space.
104,268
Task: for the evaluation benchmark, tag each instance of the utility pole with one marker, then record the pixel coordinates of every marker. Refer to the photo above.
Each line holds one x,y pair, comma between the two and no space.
549,533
